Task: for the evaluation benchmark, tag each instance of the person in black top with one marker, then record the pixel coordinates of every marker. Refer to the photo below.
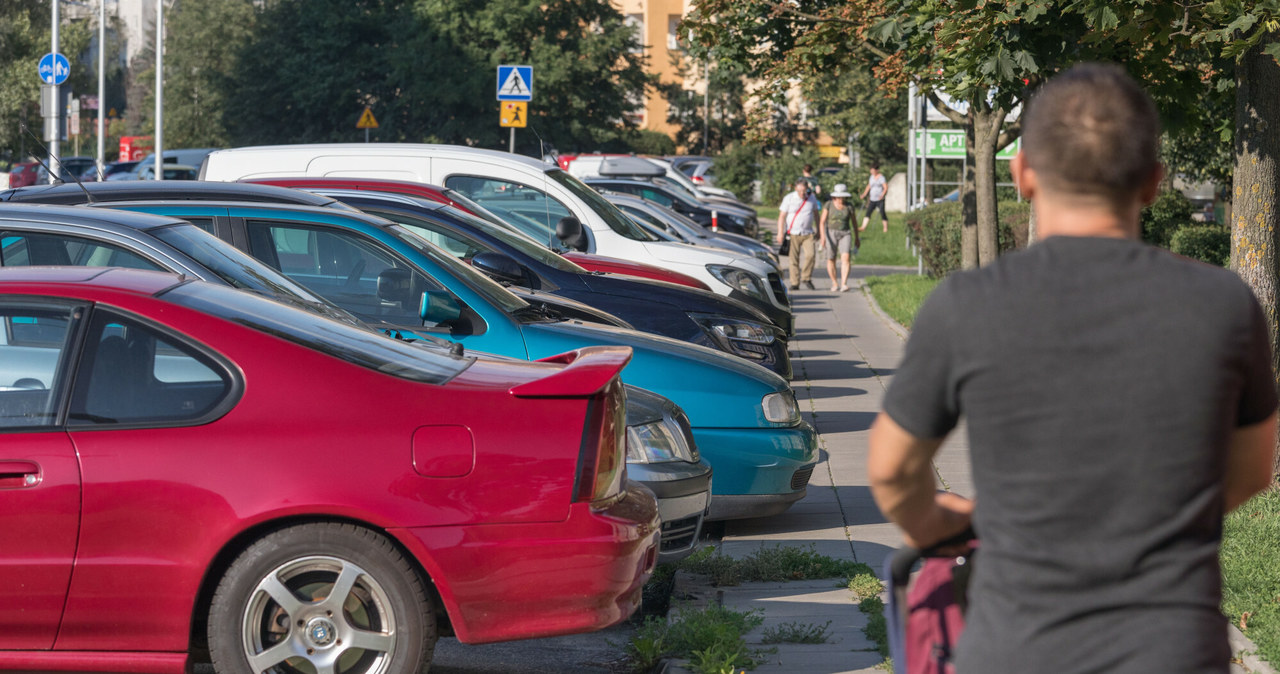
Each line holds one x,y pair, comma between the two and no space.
1119,401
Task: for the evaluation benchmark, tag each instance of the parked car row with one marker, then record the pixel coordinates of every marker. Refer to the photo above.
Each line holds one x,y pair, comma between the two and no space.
258,359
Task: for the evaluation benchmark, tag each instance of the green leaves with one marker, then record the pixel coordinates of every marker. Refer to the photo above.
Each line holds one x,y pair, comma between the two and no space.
1102,18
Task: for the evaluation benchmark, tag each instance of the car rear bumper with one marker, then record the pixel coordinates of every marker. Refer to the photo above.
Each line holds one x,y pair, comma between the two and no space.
501,582
768,466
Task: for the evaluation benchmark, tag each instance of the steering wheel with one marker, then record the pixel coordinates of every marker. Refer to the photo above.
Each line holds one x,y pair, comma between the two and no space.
354,277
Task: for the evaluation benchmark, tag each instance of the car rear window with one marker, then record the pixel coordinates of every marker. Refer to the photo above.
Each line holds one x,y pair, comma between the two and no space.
416,361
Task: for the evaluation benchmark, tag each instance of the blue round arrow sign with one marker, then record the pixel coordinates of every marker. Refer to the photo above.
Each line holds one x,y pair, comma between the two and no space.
54,69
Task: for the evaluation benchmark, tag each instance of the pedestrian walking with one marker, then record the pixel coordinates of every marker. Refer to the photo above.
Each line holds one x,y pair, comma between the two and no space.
1119,401
815,187
838,236
874,193
796,217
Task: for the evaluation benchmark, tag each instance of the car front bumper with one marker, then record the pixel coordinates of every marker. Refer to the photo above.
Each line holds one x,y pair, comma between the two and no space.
501,582
684,492
759,471
778,309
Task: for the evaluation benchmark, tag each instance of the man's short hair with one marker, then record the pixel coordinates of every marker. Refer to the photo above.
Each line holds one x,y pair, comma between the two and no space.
801,181
808,168
1092,130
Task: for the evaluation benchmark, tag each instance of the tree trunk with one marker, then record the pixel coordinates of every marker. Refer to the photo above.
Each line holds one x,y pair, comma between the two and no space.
1255,225
986,124
969,198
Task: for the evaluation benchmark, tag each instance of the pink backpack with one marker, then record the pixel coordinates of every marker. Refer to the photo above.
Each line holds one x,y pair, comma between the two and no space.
925,614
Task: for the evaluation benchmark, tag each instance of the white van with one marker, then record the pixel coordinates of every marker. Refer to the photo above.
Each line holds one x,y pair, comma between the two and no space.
517,188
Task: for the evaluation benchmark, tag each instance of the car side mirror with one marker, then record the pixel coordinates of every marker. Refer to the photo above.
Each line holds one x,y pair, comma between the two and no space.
395,285
438,306
500,267
569,231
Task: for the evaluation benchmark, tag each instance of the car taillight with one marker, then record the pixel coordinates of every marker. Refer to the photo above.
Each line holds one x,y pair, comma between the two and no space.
601,461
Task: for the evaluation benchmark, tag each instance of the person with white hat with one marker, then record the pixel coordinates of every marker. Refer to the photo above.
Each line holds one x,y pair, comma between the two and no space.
837,234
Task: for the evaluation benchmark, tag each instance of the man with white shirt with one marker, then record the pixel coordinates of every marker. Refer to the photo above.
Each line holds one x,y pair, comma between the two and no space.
797,216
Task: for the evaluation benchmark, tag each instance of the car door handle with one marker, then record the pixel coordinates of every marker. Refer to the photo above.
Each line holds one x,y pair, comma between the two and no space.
18,474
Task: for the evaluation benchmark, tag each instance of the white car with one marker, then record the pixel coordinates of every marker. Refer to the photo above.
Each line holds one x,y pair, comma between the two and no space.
524,188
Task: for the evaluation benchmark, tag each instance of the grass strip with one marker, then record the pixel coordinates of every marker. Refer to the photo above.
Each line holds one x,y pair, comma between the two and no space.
1251,572
774,564
711,639
878,247
900,295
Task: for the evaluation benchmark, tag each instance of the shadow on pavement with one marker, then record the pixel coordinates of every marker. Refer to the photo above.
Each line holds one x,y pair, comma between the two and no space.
840,422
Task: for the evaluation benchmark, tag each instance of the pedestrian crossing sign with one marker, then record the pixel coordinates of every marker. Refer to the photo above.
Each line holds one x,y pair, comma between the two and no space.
366,120
513,113
515,83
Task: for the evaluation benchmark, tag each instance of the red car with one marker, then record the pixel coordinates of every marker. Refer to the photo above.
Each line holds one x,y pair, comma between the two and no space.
188,468
21,175
588,261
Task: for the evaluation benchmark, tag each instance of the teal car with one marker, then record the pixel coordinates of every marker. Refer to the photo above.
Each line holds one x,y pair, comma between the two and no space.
744,417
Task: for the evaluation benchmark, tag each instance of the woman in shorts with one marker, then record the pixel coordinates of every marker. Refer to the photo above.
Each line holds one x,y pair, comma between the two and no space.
837,234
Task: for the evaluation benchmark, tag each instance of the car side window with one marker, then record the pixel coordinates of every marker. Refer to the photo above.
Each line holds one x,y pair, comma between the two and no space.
34,350
20,249
203,223
657,197
135,373
515,197
463,248
344,267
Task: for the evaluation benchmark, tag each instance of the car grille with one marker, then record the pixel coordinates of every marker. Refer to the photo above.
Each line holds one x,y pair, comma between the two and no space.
779,290
800,479
679,534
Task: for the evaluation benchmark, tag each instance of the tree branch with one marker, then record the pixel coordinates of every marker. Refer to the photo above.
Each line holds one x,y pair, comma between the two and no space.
946,110
1008,135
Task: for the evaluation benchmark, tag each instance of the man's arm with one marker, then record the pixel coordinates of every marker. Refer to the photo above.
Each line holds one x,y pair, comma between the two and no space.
865,190
782,216
1250,459
900,469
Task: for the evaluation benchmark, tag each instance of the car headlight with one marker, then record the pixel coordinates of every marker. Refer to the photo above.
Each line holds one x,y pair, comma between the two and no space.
739,279
739,337
657,442
781,408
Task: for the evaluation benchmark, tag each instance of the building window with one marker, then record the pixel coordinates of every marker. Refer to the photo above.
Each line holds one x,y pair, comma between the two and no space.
673,32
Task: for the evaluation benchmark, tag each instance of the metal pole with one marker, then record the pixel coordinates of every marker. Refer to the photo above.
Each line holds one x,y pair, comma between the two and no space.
706,106
512,149
911,145
102,85
366,134
159,90
54,165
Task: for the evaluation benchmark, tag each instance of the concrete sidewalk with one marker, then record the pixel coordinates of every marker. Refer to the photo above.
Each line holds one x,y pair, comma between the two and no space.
845,354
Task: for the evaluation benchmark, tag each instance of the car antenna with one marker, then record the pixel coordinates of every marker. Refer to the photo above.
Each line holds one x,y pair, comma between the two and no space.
546,201
88,197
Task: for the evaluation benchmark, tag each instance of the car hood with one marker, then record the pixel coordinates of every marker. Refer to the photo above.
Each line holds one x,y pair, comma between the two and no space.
715,389
684,297
683,253
569,308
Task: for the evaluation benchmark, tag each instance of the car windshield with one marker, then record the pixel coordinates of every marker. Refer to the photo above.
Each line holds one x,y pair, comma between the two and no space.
352,343
678,192
607,211
486,287
239,270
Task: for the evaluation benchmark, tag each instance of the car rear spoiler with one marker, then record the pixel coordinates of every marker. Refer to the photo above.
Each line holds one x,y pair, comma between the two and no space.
586,372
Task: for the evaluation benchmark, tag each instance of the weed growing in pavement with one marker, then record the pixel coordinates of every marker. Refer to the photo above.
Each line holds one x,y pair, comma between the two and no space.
796,633
714,634
865,585
718,659
772,565
877,630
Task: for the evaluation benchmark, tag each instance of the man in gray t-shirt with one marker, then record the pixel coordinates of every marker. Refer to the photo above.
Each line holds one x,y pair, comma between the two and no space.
1119,401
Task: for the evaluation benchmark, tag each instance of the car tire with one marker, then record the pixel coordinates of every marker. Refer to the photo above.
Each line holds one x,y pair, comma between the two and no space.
272,610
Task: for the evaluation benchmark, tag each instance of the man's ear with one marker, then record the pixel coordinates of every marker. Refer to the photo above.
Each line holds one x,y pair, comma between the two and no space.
1024,177
1151,187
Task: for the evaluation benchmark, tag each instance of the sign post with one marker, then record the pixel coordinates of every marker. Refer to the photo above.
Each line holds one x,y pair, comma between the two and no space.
54,69
367,122
515,86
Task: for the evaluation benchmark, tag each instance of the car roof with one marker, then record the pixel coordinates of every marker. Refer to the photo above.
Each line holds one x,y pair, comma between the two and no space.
78,215
142,281
365,149
185,190
322,213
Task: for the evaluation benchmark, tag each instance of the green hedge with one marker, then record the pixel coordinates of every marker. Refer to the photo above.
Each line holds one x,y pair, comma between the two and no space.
1170,212
1207,243
936,229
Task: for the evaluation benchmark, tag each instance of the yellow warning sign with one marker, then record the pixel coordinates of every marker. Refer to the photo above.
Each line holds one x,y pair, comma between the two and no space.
513,113
366,120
